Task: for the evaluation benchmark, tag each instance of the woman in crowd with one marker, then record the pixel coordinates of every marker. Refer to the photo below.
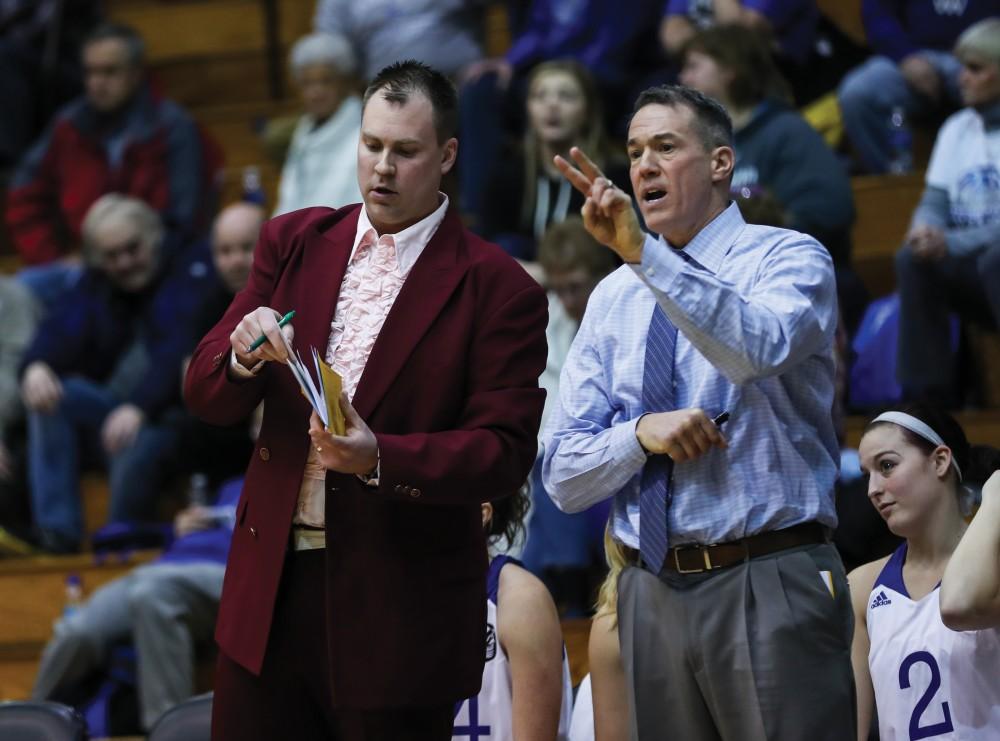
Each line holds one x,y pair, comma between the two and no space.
924,679
775,147
526,193
526,693
321,164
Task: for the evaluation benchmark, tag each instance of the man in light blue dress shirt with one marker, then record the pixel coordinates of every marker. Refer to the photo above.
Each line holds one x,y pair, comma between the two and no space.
737,623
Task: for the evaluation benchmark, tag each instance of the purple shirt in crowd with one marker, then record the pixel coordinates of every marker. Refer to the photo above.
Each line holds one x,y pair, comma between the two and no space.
793,21
897,28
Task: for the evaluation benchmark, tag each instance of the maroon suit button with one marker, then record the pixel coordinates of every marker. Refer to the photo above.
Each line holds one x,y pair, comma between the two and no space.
415,493
253,532
265,454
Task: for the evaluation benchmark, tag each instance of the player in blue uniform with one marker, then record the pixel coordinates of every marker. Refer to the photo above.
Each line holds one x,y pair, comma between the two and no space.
926,680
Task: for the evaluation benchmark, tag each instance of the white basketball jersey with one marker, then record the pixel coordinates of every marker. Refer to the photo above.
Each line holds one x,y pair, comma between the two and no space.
489,715
930,682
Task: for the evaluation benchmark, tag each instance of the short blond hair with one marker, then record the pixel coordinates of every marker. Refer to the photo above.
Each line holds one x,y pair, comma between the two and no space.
981,38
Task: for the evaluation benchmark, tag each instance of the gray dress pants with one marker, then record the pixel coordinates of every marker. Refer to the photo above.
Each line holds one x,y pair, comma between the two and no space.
165,609
759,651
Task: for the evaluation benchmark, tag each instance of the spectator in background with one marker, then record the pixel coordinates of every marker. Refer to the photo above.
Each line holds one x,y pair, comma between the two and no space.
222,451
117,137
951,256
20,316
913,68
166,609
775,147
560,546
39,66
525,192
103,371
321,165
610,43
445,34
789,24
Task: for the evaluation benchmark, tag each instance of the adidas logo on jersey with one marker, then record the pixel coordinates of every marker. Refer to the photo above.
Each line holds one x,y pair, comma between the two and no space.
880,600
491,642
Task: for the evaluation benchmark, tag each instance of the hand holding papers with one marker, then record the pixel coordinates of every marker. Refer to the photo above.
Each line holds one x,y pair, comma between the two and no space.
323,393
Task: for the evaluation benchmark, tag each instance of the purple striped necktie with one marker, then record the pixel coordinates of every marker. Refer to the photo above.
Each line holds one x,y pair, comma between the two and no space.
657,396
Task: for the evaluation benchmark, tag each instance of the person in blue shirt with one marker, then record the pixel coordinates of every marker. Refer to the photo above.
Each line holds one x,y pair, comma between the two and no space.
710,319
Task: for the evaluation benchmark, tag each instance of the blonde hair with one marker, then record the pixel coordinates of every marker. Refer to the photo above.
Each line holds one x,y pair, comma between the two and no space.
619,556
981,38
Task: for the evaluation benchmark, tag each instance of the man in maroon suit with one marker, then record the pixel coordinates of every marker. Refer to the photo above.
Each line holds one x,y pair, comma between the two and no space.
354,597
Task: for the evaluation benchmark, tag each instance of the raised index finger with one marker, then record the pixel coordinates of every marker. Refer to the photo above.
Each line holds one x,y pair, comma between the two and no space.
576,178
586,164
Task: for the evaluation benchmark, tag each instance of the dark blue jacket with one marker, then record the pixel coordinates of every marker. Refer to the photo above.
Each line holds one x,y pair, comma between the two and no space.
93,325
778,150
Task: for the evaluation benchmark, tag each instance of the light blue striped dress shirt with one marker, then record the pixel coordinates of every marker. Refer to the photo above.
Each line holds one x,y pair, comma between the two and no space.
756,311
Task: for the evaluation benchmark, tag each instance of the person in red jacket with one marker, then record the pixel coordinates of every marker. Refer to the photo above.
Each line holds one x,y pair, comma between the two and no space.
117,137
355,593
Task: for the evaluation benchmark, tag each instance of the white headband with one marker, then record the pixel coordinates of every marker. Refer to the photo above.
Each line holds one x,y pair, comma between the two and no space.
917,427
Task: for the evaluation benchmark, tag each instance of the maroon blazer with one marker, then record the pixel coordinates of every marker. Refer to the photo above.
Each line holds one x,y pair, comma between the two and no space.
451,392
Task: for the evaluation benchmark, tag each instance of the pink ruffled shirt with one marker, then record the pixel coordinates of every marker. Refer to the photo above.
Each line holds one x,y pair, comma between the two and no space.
375,273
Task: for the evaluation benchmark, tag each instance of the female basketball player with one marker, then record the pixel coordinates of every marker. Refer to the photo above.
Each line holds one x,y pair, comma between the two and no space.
526,693
925,680
601,710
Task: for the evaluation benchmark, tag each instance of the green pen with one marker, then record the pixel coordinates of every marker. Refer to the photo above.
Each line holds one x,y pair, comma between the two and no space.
263,338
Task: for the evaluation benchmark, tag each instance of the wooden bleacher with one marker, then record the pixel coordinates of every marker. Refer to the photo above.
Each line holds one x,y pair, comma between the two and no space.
884,205
225,60
32,594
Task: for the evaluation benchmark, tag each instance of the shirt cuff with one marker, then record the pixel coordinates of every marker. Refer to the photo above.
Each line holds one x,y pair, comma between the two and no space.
238,371
624,445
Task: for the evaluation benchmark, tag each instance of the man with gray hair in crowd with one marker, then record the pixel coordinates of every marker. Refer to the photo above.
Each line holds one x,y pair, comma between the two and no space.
106,361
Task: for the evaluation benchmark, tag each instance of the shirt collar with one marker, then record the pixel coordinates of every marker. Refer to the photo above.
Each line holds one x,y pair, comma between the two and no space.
410,242
710,246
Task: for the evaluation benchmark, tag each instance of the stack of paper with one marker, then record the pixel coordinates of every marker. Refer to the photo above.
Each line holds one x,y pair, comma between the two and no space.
323,393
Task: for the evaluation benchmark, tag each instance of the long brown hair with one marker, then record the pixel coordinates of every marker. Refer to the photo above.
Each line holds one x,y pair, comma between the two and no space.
592,139
745,53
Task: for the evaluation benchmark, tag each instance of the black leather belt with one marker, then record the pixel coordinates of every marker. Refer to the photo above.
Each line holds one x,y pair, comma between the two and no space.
694,559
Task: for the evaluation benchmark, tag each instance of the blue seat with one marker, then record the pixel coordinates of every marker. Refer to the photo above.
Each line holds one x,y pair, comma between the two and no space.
190,720
40,721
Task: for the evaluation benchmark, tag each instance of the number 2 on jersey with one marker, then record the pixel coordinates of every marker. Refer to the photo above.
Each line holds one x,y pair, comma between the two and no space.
918,731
